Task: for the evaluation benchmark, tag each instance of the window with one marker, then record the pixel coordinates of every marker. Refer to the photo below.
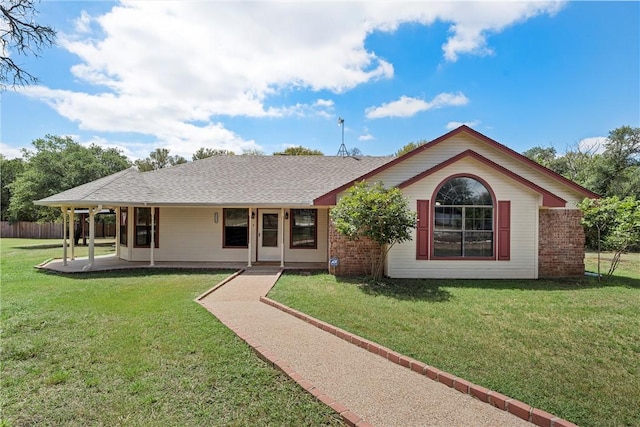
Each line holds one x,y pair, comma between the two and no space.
143,227
236,228
123,226
304,230
463,220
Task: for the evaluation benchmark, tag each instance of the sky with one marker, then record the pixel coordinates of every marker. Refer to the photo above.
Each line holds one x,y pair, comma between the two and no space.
141,75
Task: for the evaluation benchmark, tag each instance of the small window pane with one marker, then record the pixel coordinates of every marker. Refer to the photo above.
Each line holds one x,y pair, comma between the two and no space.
478,219
448,218
447,243
478,244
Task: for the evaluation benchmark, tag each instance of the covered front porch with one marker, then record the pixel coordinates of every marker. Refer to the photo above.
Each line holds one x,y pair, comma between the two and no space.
112,262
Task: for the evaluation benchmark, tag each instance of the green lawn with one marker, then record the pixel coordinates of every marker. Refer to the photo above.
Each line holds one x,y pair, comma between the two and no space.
570,347
129,348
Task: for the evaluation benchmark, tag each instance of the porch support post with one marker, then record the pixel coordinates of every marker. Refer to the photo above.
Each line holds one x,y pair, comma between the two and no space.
64,235
72,232
153,236
92,234
282,242
250,239
117,232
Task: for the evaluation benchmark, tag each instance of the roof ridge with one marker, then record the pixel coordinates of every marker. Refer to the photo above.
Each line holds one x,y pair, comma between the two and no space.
113,177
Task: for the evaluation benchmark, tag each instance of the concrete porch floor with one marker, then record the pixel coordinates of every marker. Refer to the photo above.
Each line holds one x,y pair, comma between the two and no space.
112,262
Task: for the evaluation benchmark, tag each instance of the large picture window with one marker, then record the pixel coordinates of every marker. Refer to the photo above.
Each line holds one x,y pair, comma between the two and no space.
143,227
236,228
304,228
463,220
124,221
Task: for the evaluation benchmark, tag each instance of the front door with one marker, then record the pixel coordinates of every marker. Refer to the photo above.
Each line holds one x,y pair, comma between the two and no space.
269,235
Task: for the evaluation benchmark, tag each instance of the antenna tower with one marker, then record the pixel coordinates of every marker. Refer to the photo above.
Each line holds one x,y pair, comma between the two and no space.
343,149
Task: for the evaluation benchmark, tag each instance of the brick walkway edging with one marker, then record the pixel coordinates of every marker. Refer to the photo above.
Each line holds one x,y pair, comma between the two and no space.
499,400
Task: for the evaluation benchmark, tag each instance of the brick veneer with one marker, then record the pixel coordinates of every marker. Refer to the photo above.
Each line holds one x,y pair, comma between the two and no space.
560,243
354,255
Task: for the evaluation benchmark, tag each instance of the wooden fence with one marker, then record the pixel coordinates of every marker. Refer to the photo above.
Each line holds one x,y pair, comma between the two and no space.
49,230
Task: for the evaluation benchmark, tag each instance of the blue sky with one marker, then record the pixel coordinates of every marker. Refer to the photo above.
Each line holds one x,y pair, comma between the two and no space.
261,75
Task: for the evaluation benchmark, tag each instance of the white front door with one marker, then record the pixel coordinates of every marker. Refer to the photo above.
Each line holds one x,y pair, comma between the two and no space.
269,237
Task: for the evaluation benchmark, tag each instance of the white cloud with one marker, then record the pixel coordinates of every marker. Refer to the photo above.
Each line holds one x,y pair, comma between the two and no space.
10,152
83,23
407,106
175,69
454,125
366,137
593,145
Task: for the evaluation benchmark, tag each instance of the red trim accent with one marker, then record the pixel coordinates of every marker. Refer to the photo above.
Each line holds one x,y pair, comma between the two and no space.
548,199
433,221
422,235
330,197
504,230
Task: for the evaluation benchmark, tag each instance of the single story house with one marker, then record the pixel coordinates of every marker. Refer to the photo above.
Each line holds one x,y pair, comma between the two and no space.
484,211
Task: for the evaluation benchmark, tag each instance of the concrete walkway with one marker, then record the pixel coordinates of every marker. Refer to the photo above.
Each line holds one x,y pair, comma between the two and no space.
364,387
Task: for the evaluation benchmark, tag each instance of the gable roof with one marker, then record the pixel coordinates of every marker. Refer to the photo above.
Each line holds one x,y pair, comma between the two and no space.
548,198
223,180
330,197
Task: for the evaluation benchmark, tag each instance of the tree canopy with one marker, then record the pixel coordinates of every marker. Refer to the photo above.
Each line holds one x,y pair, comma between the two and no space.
158,159
10,170
299,151
410,147
57,164
23,36
375,212
203,153
614,172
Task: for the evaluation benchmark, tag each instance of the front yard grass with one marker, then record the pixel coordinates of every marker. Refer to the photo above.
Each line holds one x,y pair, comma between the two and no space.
129,348
569,347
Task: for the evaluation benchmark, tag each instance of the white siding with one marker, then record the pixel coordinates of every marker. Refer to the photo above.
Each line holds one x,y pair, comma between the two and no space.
460,143
191,234
524,219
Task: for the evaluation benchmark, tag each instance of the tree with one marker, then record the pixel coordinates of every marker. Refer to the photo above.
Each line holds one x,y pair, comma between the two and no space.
159,159
377,213
615,172
203,153
252,152
299,151
9,170
22,35
410,147
616,223
57,164
618,171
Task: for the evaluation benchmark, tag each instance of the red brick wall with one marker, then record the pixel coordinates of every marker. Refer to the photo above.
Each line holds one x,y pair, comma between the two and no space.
560,243
354,256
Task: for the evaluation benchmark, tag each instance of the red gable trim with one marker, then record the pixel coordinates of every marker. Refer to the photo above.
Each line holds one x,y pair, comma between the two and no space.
548,199
330,197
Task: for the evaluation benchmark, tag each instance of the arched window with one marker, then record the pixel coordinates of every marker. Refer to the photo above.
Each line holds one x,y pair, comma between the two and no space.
463,220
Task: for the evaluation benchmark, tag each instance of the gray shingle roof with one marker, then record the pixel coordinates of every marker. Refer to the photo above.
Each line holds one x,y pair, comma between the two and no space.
224,180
